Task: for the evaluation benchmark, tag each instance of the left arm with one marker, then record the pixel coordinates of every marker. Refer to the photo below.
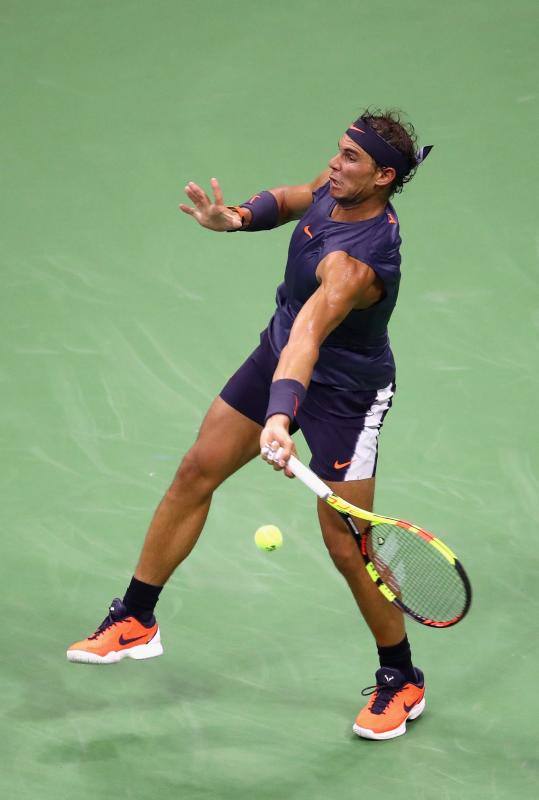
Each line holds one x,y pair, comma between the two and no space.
345,284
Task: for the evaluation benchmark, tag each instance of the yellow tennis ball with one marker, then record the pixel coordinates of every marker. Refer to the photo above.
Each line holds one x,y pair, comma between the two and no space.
268,537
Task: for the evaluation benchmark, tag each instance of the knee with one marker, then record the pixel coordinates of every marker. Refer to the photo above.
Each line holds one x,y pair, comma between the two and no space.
195,474
344,552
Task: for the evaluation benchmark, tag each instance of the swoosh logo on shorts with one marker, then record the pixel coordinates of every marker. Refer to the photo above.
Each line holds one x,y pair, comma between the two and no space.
128,641
336,465
307,230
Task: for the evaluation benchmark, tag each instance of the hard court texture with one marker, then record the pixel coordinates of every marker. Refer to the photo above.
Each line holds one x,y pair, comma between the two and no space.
121,321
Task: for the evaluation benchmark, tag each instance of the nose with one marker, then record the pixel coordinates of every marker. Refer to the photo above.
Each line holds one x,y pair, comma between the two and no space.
334,162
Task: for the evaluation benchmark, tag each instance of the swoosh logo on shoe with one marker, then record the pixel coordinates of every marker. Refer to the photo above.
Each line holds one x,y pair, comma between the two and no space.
336,465
409,708
128,641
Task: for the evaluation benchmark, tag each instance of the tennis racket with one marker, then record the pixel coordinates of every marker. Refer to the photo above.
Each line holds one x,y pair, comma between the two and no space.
412,568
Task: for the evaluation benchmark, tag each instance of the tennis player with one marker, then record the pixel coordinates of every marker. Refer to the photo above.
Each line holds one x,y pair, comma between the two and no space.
323,365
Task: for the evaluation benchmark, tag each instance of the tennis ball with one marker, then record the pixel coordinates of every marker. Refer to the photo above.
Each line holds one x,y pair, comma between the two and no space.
268,537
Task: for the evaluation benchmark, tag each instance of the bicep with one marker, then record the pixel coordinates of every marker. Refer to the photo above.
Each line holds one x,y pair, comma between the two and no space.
326,308
321,314
346,284
361,279
294,201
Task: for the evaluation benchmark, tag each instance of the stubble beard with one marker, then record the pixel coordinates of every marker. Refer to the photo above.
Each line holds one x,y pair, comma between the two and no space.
350,202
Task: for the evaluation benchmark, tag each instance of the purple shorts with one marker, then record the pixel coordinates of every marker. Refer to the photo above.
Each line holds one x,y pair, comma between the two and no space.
340,426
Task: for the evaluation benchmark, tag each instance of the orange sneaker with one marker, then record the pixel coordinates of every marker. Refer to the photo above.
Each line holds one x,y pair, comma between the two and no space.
119,636
393,702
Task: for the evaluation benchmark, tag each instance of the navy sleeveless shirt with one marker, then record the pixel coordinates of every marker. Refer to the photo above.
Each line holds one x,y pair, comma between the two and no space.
357,354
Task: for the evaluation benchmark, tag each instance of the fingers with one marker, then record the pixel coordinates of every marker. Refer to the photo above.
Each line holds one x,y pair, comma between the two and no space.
197,190
276,445
268,451
275,458
197,195
287,471
217,192
272,453
280,459
277,454
187,209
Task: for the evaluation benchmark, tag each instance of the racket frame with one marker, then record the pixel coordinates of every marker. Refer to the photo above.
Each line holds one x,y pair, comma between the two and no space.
349,512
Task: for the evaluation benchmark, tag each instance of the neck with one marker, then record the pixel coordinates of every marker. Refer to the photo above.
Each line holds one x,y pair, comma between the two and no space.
359,209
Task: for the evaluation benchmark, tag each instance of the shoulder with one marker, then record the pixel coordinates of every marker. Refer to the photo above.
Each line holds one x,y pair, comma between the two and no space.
378,236
374,244
344,276
386,234
388,227
339,266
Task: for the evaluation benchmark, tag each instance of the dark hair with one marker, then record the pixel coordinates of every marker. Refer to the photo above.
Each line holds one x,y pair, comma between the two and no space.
391,127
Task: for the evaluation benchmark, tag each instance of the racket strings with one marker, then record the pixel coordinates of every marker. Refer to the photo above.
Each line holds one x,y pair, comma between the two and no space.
416,572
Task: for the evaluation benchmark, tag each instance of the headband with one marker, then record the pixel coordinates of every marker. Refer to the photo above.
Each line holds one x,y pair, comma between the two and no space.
384,153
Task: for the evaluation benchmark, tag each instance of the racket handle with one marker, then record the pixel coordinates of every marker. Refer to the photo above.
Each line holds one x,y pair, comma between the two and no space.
308,477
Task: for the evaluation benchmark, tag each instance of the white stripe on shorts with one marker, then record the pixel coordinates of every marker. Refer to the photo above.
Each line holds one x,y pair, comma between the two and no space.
364,457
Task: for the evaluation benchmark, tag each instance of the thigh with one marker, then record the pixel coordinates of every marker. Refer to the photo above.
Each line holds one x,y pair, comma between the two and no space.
334,528
342,430
230,433
248,389
227,440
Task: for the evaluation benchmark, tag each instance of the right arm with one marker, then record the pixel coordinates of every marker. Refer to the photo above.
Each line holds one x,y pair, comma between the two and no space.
292,201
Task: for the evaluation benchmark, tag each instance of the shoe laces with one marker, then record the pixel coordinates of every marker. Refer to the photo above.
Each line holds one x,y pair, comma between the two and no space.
384,695
110,620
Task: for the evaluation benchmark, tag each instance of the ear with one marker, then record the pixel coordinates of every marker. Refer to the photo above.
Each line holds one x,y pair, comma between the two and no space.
386,175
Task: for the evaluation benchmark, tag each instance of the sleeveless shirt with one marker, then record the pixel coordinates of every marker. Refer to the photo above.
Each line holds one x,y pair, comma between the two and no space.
357,353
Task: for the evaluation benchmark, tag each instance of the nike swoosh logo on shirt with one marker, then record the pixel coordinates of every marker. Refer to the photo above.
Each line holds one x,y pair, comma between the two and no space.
128,641
307,230
336,465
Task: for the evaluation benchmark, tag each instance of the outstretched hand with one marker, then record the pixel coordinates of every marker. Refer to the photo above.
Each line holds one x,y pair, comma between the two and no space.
212,215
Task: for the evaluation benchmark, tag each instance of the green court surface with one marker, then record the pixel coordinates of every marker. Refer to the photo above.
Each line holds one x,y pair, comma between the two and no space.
122,319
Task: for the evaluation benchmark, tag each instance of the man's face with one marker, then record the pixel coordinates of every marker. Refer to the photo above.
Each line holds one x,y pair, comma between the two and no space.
354,174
